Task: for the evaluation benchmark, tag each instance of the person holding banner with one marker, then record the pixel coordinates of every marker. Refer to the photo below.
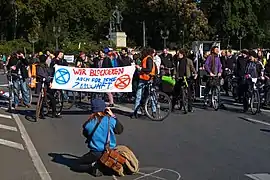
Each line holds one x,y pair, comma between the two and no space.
58,60
104,62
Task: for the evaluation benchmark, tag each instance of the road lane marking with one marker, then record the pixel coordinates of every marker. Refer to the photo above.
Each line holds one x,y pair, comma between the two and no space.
11,128
5,108
40,167
5,116
262,176
4,85
11,144
256,121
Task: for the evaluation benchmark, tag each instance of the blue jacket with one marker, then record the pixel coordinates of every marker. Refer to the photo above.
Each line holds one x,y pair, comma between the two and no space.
99,138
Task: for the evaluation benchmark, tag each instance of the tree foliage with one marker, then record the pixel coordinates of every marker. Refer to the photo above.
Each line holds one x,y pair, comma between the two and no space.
88,21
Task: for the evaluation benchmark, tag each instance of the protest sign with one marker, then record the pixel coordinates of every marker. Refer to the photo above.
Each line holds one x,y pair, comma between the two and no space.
93,79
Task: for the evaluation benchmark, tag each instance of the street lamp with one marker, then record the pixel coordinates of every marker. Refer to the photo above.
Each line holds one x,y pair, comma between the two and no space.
183,37
193,16
56,35
13,3
240,35
164,36
33,38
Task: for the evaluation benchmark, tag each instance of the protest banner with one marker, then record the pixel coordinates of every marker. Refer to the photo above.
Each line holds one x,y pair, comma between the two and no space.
93,79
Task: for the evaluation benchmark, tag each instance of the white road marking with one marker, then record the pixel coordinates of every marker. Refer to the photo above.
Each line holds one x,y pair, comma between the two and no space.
256,121
11,144
5,108
5,116
40,167
146,175
149,174
3,85
2,126
262,176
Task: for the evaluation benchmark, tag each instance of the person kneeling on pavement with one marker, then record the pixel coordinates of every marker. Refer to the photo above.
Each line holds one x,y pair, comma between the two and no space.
95,129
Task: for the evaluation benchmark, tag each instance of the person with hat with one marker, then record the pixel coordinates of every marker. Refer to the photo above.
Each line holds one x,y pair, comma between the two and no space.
101,122
253,70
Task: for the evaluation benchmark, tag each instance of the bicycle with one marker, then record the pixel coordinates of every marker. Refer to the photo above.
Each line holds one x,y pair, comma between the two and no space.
182,99
42,98
252,94
151,96
10,90
214,93
69,99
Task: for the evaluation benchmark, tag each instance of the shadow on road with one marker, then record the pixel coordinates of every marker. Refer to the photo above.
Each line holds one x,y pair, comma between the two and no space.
265,130
65,159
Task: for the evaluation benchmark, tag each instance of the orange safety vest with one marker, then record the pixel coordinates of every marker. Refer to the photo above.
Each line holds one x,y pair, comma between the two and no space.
143,75
33,81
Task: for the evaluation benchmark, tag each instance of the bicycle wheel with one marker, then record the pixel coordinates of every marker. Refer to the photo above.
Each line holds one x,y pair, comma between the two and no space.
10,98
69,99
58,95
38,107
215,98
184,100
30,95
152,102
255,102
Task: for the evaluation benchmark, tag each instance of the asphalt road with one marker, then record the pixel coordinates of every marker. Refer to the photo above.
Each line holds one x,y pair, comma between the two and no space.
206,145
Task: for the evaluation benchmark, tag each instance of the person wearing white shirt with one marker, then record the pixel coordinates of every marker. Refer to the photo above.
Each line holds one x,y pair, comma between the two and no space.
157,61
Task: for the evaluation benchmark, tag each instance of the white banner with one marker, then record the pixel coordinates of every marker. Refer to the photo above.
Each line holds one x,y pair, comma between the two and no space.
93,79
69,58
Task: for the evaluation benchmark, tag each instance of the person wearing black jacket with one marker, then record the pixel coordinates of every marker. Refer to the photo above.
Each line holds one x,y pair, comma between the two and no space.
104,62
241,64
44,72
58,60
17,65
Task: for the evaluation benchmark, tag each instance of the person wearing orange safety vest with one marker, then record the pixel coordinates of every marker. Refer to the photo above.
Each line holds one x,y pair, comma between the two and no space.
147,71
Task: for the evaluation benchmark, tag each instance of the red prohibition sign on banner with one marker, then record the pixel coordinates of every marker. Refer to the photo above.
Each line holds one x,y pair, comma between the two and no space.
122,82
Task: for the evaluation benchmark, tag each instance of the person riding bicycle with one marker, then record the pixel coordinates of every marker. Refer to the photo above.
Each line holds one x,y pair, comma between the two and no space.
254,69
213,67
183,68
44,72
17,65
147,71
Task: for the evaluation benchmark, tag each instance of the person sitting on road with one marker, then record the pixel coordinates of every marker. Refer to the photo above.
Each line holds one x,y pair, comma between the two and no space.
43,72
213,67
95,129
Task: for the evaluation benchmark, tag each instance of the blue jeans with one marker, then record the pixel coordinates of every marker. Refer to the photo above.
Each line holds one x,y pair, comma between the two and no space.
140,89
20,84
